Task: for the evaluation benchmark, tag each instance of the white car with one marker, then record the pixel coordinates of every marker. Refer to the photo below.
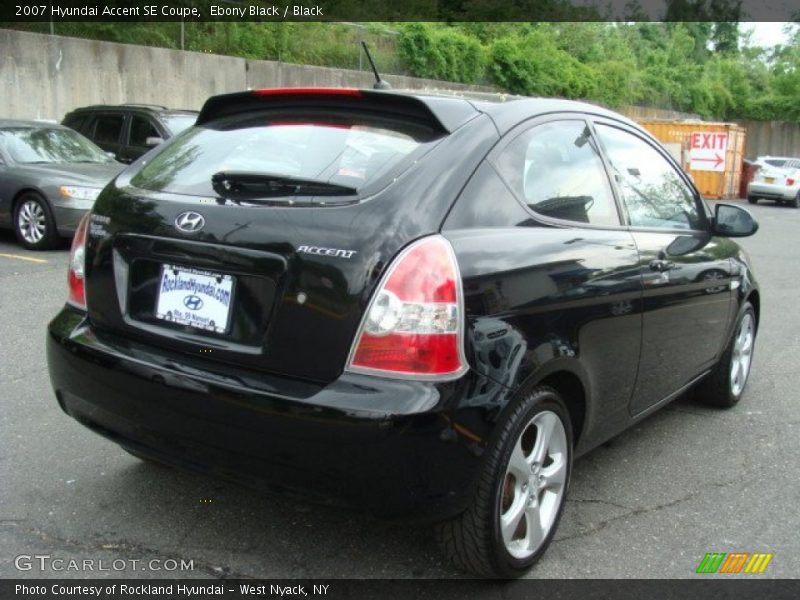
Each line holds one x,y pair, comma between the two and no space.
779,183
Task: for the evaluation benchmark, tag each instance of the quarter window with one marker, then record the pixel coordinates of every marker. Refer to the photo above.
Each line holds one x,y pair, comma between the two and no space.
654,193
555,168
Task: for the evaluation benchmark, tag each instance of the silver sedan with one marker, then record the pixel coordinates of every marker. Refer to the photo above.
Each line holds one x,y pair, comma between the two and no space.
49,177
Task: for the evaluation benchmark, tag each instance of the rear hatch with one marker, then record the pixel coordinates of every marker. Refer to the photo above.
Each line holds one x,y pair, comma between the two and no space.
256,237
787,175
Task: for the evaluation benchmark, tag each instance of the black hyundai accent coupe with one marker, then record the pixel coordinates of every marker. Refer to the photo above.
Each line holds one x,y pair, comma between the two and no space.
421,306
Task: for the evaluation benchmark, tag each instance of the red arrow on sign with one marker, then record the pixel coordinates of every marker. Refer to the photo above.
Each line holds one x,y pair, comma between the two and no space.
717,160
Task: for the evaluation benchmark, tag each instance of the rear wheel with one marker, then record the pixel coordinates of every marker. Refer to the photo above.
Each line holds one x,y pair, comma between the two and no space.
34,224
752,199
725,385
795,202
520,496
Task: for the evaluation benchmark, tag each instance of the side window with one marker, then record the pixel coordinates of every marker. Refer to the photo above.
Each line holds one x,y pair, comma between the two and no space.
108,128
555,168
655,195
141,129
76,122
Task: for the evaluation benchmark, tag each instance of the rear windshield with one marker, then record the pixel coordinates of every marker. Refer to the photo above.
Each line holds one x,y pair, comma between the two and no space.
776,162
351,151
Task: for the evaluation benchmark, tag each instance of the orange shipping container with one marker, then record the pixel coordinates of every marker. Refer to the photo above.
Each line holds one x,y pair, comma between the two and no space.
726,155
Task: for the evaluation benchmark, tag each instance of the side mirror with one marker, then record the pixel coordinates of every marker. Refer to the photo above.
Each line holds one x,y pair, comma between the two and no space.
153,141
733,221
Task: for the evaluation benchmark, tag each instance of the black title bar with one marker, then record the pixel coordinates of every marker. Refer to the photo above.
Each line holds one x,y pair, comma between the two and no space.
733,588
406,10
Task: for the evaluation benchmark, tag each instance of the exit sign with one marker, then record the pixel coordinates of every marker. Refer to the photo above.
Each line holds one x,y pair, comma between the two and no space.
707,151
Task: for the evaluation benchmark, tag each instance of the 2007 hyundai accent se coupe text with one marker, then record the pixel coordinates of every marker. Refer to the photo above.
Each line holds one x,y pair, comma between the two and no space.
421,306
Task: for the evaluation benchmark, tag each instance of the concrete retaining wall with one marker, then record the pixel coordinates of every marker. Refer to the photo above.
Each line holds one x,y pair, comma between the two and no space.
45,77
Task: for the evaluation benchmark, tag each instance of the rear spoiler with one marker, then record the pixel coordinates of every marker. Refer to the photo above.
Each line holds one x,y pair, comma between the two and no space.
444,115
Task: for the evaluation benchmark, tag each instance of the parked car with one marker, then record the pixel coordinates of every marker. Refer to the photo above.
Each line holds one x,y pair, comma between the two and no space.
49,177
421,306
781,184
129,130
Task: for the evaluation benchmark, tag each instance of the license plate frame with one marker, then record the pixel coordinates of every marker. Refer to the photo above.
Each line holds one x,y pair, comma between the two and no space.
179,290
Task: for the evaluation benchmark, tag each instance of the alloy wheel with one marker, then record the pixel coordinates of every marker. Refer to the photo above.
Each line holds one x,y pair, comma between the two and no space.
31,221
742,353
534,484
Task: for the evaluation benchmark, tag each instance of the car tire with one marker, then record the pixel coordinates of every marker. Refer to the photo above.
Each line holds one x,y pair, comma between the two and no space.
726,383
795,202
491,538
752,199
34,224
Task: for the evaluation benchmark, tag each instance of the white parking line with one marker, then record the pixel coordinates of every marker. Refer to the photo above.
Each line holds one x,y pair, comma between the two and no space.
28,258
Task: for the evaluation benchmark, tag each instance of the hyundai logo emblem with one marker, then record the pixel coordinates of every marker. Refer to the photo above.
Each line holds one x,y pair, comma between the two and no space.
193,302
189,222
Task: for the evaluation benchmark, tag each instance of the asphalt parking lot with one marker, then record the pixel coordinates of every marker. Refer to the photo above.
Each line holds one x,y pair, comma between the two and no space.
650,503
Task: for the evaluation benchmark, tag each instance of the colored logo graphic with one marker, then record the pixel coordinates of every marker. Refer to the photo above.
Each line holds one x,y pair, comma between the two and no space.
732,563
193,302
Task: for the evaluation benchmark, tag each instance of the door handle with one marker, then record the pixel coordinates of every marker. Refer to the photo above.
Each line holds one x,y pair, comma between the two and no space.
661,265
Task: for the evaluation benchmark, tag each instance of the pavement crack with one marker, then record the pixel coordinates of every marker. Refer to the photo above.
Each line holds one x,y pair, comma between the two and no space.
634,512
598,501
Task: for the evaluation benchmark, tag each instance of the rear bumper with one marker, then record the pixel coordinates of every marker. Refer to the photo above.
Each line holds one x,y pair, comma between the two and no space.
389,447
770,191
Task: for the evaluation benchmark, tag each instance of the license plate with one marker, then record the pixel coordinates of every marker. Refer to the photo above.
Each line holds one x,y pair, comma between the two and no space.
769,180
199,299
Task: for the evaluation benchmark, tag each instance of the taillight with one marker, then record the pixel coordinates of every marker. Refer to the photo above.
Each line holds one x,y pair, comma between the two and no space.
307,91
413,327
789,181
76,276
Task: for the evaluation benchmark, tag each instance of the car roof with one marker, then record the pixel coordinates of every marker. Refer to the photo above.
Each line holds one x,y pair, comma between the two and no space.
507,115
152,108
508,110
22,123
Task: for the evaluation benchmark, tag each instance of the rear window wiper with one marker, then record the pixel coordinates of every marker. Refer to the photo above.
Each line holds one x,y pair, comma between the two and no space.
248,186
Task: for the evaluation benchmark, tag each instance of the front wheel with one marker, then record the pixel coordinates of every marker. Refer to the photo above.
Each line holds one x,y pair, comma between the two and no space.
752,199
34,224
520,495
725,384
